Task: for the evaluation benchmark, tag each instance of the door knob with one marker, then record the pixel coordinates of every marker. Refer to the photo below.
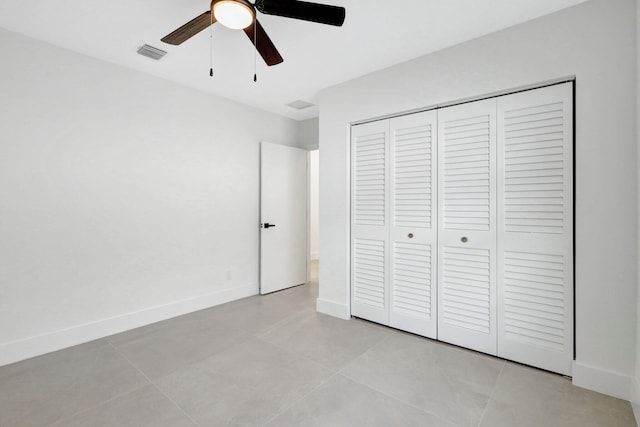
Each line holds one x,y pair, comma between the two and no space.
267,225
464,239
410,235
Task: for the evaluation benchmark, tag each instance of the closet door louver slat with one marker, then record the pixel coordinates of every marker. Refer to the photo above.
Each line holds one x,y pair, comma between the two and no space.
466,167
466,288
369,272
370,179
534,299
412,279
534,138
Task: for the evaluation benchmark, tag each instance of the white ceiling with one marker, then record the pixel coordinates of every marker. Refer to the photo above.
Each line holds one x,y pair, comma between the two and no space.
376,34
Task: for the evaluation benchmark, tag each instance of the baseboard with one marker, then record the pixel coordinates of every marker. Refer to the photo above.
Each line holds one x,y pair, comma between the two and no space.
16,351
333,308
612,383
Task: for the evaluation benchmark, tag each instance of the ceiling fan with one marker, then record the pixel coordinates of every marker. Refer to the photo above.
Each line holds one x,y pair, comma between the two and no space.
241,14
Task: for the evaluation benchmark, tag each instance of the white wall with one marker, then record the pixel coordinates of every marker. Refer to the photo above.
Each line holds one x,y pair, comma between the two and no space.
314,199
308,136
594,41
124,199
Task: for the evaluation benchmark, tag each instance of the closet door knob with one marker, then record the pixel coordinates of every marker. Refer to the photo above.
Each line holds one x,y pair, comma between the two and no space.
410,235
464,239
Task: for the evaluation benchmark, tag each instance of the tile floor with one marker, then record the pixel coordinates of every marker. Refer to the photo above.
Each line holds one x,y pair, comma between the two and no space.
274,361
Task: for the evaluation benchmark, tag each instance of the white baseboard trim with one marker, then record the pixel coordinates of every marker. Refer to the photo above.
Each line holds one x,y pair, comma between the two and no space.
333,308
612,383
16,351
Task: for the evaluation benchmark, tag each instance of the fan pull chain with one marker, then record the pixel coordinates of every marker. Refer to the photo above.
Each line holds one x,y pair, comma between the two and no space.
211,47
255,51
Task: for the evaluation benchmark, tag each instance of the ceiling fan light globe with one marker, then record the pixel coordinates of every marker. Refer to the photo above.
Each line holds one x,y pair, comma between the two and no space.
233,14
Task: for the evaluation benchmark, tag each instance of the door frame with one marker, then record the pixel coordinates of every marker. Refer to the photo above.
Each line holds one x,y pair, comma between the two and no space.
309,207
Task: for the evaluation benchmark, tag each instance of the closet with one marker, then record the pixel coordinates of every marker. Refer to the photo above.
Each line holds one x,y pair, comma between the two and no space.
462,225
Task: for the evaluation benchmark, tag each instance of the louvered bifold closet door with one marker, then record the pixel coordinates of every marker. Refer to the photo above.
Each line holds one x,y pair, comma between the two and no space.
413,232
369,221
535,227
467,225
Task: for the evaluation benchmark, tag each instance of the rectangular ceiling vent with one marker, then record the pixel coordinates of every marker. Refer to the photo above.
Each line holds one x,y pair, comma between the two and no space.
151,52
300,104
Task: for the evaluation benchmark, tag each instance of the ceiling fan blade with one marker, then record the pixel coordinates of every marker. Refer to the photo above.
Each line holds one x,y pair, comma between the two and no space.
263,44
314,12
190,29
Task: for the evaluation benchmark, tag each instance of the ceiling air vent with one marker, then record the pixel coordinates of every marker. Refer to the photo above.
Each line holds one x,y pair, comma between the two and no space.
151,52
300,104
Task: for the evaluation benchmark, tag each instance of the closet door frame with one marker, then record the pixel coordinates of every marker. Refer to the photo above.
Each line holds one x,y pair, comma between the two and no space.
494,344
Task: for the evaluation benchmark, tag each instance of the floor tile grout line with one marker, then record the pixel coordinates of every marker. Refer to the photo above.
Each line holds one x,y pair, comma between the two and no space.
493,390
249,335
389,337
333,370
104,402
259,336
180,408
386,335
396,399
283,321
383,392
286,408
97,405
247,300
385,338
243,335
274,326
344,375
156,386
294,353
474,353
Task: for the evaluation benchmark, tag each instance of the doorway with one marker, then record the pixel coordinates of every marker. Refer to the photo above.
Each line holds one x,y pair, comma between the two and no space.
314,207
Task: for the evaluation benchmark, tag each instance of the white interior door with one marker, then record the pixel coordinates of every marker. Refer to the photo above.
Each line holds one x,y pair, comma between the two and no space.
369,221
535,227
413,225
283,217
467,226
